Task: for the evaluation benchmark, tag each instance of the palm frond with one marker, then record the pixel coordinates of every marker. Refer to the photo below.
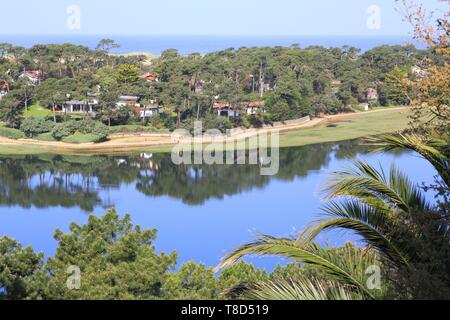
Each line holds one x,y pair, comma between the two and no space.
373,224
342,265
302,289
373,187
427,148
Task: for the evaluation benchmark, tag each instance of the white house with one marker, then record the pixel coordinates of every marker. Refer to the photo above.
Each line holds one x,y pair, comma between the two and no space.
254,107
128,101
226,110
148,111
74,106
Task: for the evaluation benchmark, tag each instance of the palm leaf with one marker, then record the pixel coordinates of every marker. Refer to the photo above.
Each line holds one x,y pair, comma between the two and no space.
373,224
372,187
302,289
345,266
427,148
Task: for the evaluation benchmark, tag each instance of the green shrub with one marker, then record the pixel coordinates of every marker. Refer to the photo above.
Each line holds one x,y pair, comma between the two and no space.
62,130
131,128
45,137
245,121
35,126
11,133
256,121
85,126
167,119
222,123
98,129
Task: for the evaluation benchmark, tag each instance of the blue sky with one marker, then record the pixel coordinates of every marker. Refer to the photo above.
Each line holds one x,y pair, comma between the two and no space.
203,17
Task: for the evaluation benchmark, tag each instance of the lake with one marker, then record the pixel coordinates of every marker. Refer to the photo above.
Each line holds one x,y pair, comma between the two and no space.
200,211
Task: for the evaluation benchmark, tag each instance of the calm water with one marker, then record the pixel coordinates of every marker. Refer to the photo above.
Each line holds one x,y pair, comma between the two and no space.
200,211
205,44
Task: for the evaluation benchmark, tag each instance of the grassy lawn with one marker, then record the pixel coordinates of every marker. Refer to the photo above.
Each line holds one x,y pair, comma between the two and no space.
135,128
36,110
11,133
355,126
343,128
81,138
45,137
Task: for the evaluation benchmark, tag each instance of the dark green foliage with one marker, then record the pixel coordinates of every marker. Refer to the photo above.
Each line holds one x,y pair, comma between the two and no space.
35,126
17,265
84,126
11,110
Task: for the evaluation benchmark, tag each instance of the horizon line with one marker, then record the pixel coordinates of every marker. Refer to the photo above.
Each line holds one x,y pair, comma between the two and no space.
201,35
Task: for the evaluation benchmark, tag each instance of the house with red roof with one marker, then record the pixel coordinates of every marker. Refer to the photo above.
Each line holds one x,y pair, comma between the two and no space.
149,77
4,88
226,110
33,75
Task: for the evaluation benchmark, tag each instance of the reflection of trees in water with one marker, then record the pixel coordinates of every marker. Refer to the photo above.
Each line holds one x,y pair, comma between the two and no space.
32,181
47,181
198,183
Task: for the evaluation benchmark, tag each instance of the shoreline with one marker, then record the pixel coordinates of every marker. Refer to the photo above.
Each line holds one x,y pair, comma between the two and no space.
119,143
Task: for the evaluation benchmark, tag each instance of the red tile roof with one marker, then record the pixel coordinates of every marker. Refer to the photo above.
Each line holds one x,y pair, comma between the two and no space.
249,104
222,106
254,104
34,74
4,85
149,77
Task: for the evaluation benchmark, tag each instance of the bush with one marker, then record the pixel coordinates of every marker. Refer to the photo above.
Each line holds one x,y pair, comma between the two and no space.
167,120
374,104
132,128
256,121
220,123
11,133
245,121
62,130
89,126
35,126
86,126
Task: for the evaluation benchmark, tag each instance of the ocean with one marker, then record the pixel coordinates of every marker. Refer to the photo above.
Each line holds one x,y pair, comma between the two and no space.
205,44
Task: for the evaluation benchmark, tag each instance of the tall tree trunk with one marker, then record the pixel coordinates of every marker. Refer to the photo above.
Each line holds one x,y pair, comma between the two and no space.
261,81
143,118
54,113
26,102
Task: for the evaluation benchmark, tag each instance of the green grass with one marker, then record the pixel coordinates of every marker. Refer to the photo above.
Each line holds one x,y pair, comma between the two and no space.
356,126
11,133
81,138
133,128
36,110
45,137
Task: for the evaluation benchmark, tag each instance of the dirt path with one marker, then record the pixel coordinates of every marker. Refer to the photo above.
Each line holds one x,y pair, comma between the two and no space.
136,141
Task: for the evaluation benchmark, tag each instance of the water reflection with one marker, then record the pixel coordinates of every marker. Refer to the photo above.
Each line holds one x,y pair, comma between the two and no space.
77,181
